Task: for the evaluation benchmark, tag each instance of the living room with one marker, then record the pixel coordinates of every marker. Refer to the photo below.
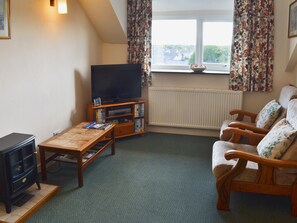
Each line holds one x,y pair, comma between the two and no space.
45,66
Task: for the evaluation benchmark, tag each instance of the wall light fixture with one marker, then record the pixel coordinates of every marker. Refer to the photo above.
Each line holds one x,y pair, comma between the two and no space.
62,6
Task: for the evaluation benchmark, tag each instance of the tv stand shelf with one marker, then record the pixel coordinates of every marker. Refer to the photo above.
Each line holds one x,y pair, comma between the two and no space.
119,116
128,117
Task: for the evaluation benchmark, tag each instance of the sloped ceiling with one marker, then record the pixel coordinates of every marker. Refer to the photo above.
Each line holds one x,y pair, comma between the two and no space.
190,5
108,18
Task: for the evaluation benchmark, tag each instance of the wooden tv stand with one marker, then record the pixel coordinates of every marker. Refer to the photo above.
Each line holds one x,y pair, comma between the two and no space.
128,117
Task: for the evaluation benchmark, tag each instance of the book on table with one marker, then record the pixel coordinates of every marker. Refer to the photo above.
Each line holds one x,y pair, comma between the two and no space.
73,159
94,125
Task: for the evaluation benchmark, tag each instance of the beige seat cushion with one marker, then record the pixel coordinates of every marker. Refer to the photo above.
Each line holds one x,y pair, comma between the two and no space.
220,165
225,124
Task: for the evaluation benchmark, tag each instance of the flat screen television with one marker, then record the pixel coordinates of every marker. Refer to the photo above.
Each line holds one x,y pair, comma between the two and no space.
116,83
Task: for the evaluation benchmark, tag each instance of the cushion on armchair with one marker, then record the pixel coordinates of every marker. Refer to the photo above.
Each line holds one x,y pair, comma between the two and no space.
277,141
268,114
220,165
291,153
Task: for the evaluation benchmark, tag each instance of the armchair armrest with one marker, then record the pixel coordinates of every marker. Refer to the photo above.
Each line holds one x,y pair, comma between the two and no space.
264,181
241,113
237,134
233,154
246,126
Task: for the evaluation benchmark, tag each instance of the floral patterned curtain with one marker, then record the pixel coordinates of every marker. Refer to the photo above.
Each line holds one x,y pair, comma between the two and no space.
251,66
139,36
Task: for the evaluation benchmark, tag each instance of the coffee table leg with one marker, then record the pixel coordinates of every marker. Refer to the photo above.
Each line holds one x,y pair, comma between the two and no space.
42,163
79,171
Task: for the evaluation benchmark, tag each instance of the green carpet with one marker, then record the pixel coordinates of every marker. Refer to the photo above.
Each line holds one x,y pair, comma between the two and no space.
155,178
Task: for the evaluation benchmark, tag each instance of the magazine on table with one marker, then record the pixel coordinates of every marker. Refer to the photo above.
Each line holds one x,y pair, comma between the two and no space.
94,125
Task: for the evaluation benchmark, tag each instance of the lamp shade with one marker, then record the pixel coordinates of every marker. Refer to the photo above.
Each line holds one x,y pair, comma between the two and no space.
62,6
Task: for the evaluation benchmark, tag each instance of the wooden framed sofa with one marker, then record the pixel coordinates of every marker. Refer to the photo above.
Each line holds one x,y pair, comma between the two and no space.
261,122
267,167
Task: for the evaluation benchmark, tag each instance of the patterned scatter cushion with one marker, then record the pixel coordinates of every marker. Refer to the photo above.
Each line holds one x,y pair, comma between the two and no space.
268,114
277,141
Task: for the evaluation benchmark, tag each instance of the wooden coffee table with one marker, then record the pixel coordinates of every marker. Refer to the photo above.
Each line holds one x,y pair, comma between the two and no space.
77,145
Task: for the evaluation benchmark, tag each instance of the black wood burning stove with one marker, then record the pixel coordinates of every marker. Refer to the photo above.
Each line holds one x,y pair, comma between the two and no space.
18,168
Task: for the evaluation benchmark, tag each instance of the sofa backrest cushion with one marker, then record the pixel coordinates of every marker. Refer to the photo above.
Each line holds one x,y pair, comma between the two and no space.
292,113
287,93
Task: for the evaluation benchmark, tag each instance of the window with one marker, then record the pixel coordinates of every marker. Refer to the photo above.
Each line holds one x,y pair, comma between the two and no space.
173,43
177,43
216,45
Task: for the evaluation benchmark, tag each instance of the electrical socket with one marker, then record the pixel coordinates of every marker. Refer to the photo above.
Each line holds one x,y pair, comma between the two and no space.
56,132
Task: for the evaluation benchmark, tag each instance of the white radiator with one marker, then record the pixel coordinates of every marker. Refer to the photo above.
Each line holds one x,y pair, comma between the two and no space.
191,108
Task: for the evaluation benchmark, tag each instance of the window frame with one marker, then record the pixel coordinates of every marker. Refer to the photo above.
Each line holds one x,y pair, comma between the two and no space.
200,17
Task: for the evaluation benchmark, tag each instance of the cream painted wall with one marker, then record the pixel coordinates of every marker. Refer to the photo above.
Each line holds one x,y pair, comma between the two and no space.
292,45
114,53
45,68
292,41
252,101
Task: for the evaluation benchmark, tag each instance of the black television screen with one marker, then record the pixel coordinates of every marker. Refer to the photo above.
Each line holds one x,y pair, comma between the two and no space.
117,82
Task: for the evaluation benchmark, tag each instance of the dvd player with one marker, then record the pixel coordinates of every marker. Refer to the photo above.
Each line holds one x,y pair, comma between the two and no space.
119,111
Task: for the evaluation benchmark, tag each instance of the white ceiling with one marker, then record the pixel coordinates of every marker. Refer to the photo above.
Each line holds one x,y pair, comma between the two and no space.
191,5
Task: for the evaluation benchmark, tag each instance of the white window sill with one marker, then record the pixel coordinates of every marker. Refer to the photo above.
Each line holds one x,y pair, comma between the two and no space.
189,72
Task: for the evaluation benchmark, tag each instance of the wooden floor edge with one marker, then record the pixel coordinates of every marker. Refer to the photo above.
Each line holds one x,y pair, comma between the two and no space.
35,208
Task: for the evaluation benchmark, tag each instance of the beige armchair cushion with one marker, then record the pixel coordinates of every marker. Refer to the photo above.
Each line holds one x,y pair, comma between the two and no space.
220,165
277,141
267,116
291,153
292,113
225,124
287,93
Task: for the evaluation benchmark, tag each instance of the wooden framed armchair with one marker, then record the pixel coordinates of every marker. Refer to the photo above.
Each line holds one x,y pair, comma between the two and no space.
251,121
267,167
